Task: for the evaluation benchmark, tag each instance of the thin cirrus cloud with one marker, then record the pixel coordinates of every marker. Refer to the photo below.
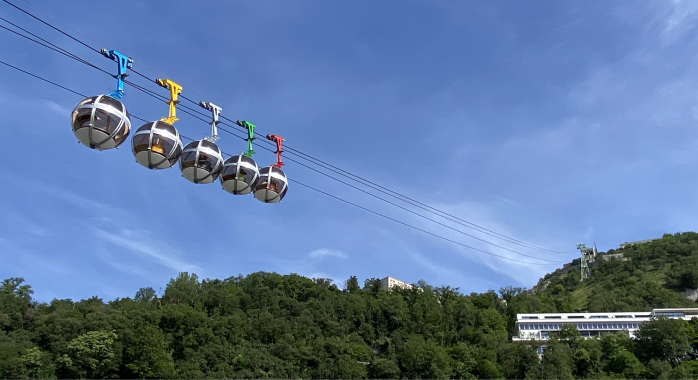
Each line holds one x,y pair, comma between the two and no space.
325,252
142,244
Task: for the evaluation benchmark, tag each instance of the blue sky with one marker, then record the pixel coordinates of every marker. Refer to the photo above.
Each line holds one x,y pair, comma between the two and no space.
554,123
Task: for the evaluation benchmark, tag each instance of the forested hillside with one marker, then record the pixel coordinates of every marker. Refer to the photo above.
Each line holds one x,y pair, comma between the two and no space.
267,325
650,275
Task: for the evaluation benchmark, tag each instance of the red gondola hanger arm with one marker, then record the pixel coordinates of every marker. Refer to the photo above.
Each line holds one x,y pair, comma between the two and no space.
278,140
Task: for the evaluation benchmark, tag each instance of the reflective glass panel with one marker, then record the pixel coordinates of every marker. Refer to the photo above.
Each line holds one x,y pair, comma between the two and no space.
228,172
121,135
87,101
112,102
188,159
263,178
192,145
145,127
105,121
159,145
161,125
208,144
175,155
82,118
207,162
141,142
168,144
248,160
276,185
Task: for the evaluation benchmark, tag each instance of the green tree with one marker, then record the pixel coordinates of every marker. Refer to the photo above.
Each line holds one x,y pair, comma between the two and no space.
686,370
90,355
34,362
145,295
557,361
383,369
15,299
146,355
424,359
664,338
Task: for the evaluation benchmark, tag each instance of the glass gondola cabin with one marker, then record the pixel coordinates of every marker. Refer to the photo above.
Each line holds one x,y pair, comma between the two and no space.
272,185
201,161
100,122
240,175
156,145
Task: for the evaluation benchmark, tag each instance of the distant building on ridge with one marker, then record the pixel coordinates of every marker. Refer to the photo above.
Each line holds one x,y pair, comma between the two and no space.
389,282
626,244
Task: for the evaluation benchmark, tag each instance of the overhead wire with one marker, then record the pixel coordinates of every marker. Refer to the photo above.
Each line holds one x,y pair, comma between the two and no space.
305,185
326,165
307,157
80,33
319,162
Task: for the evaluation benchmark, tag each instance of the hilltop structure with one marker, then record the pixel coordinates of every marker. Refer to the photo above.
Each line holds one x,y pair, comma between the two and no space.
389,282
626,244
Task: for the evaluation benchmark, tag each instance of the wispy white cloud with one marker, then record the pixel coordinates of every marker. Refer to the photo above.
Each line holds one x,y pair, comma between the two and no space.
681,19
526,272
325,252
59,109
143,243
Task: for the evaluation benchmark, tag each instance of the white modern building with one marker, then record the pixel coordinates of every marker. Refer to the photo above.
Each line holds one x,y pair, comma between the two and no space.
540,326
389,282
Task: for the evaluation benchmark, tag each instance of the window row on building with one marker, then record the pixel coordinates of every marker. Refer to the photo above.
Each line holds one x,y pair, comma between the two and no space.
580,326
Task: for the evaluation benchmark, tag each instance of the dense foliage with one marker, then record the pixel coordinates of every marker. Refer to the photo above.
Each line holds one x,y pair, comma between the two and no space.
650,275
266,325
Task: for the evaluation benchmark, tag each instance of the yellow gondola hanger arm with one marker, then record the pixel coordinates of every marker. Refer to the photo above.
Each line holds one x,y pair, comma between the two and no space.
175,90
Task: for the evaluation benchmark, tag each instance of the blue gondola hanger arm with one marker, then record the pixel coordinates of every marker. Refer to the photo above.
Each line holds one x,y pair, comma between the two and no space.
124,63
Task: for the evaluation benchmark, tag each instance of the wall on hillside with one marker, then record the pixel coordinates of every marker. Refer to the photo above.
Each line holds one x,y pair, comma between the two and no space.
691,294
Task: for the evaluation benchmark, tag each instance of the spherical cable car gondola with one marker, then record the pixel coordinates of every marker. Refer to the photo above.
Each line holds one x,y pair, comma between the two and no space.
202,160
101,122
156,144
273,184
241,173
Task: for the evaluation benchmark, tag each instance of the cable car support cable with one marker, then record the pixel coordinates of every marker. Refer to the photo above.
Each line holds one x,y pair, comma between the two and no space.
305,185
307,157
298,153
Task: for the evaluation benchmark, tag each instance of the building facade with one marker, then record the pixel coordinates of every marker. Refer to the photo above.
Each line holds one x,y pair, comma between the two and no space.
539,327
389,282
